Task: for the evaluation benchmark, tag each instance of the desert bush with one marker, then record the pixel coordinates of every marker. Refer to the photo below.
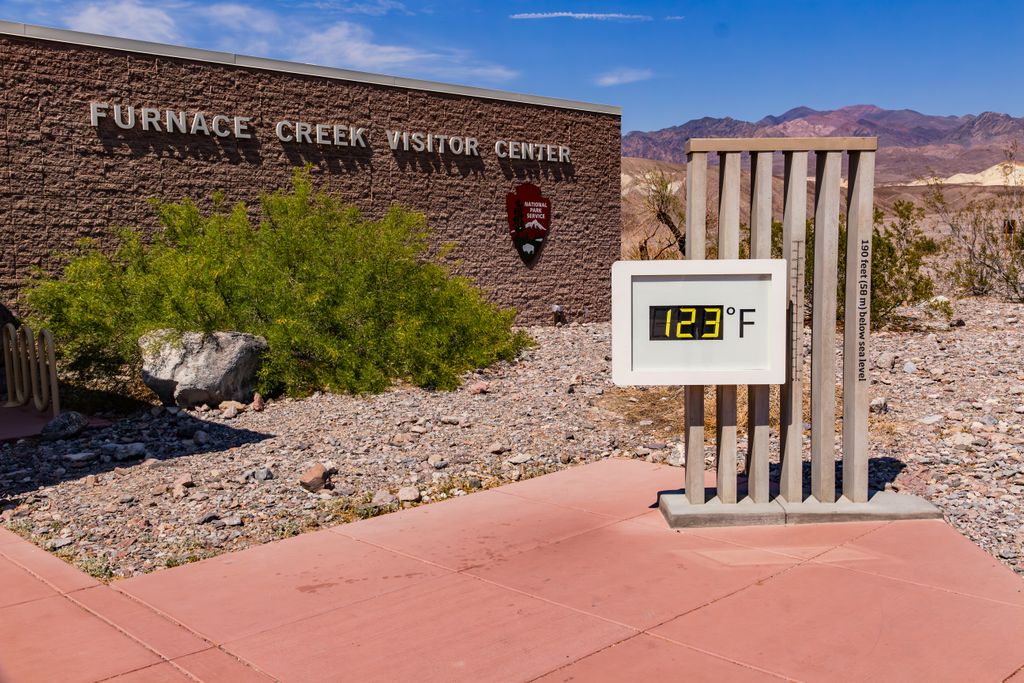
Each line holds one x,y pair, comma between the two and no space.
899,255
986,239
346,303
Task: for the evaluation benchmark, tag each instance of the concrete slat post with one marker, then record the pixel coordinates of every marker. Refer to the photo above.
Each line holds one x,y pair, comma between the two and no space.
693,403
758,396
725,395
857,325
794,237
823,326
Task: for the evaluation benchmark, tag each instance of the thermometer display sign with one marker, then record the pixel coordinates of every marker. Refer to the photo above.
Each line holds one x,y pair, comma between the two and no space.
730,314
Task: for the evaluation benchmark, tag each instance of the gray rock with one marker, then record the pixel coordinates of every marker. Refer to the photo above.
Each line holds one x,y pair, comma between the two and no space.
201,438
519,459
931,420
229,413
260,474
886,360
65,426
80,459
437,461
130,451
879,404
408,494
383,499
207,517
498,448
188,369
909,367
233,520
315,478
59,543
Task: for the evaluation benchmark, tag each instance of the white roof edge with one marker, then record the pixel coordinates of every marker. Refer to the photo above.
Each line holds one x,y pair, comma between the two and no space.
195,54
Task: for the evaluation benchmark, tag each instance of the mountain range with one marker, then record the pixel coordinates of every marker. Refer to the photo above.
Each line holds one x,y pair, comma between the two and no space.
911,145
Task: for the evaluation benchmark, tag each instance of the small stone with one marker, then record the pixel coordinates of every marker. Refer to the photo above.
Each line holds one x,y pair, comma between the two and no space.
185,480
400,439
229,414
65,426
207,517
201,437
262,474
258,403
59,543
478,388
450,420
437,461
1019,409
233,520
931,420
80,459
1007,553
408,494
130,451
519,459
92,480
383,499
879,404
961,439
237,405
677,458
886,360
475,483
498,448
909,367
314,479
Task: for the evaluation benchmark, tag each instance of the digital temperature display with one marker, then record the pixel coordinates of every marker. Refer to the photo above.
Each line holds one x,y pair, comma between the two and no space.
686,322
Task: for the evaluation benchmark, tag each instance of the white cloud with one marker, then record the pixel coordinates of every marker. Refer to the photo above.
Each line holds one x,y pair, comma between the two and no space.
350,45
125,18
370,7
240,17
622,76
595,16
674,17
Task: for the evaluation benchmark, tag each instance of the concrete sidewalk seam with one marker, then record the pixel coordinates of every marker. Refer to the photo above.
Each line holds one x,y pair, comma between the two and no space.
561,505
611,522
916,583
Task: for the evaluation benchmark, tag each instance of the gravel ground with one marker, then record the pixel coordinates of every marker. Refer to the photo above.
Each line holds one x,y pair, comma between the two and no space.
164,487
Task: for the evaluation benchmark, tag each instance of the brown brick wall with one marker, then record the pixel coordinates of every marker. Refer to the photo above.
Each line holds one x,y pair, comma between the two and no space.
62,179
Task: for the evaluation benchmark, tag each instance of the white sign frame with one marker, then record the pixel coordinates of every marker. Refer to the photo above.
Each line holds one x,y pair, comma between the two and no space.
623,274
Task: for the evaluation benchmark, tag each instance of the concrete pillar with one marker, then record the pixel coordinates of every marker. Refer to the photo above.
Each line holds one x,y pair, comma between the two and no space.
794,238
696,227
823,326
857,325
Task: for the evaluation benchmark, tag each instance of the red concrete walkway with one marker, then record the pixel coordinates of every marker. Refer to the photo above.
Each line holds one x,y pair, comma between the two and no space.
567,577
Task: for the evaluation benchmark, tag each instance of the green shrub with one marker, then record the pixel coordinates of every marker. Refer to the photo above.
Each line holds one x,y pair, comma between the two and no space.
346,304
899,251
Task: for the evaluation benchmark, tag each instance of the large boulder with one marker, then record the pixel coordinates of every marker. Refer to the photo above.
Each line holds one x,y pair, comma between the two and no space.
191,368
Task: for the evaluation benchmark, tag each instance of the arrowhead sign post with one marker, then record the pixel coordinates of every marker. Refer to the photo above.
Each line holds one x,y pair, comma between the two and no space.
529,220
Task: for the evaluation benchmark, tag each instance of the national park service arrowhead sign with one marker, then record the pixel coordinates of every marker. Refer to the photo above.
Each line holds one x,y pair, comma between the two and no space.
529,220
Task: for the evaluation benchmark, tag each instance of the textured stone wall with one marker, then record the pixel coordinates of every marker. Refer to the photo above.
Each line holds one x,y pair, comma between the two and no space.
61,179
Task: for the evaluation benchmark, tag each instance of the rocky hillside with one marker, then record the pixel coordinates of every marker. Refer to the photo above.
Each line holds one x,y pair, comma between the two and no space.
912,144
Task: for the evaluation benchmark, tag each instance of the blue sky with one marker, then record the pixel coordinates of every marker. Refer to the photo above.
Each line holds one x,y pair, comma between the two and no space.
663,62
